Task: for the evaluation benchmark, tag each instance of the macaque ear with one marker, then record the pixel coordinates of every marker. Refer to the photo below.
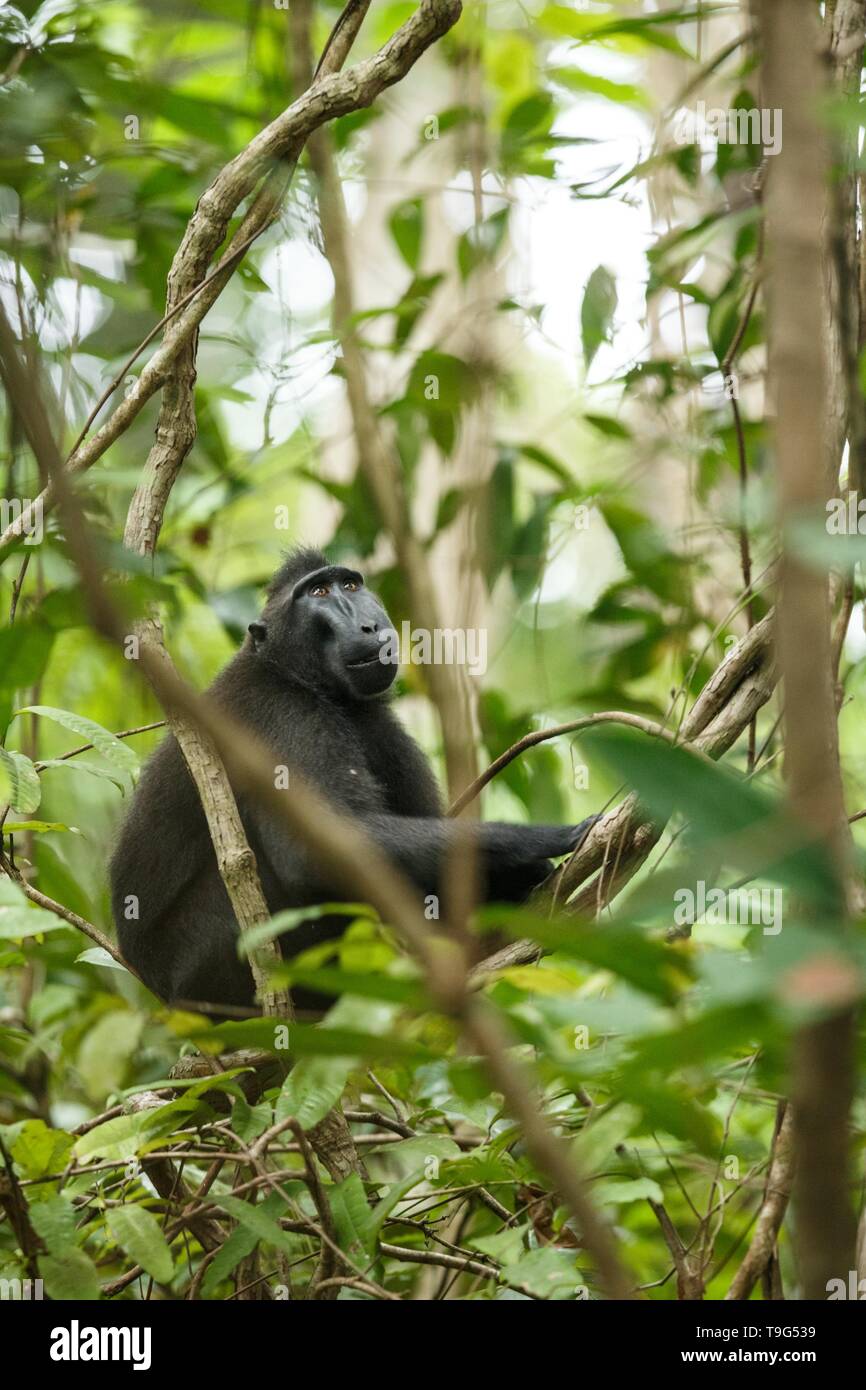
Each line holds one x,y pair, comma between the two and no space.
258,632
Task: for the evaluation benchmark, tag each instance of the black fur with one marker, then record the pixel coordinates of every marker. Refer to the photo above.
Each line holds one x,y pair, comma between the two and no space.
309,682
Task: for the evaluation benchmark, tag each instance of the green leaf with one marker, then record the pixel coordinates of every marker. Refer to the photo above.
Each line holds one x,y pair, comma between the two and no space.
597,311
627,1190
70,1277
629,952
24,652
92,770
501,525
138,1231
595,1145
128,1135
17,827
719,804
312,1088
353,1218
449,505
646,551
529,546
432,1146
708,1035
292,917
38,1150
672,1109
261,1220
481,242
19,782
112,748
527,136
19,918
413,305
54,1222
97,955
533,113
506,1246
623,93
369,985
614,429
723,321
249,1121
241,1242
407,228
441,383
547,1273
106,1050
551,465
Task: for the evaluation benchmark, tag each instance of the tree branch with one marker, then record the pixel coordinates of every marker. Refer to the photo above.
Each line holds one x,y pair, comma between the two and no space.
777,1193
588,721
176,426
797,192
335,95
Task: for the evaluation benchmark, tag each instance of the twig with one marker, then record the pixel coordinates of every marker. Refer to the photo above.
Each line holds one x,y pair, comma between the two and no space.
634,721
777,1192
81,923
86,747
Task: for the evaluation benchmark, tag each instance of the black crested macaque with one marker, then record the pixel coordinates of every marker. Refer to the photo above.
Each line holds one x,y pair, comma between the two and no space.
310,682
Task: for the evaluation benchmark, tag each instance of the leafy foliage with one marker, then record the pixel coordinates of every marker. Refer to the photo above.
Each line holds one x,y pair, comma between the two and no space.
659,1047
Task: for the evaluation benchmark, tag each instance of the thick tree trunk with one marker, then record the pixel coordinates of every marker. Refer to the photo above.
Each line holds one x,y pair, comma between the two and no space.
797,192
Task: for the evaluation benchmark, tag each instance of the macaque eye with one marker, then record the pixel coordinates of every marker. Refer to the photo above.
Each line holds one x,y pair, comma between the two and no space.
320,590
352,585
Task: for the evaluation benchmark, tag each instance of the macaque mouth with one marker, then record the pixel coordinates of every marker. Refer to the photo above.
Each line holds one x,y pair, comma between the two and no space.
363,663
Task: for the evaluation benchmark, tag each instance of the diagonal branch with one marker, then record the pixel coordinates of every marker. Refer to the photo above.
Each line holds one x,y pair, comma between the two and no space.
176,426
335,95
574,726
620,841
738,688
780,1179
